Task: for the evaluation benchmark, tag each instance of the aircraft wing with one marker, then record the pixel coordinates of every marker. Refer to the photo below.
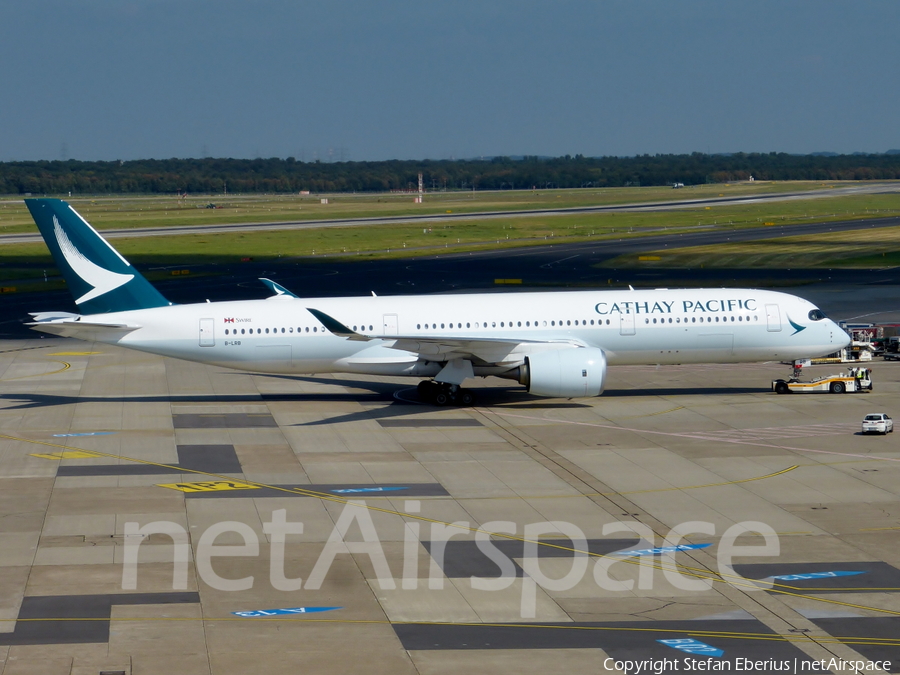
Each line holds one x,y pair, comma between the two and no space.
480,350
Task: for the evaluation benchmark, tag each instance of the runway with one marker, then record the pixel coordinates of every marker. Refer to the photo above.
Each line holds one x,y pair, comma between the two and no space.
97,442
115,233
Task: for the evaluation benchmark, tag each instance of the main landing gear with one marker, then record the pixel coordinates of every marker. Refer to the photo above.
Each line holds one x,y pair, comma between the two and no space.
441,393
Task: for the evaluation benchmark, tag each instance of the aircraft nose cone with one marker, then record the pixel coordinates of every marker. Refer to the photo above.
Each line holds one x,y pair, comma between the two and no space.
839,336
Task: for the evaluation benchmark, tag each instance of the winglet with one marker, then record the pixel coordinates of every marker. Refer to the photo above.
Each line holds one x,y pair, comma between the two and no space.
336,327
277,289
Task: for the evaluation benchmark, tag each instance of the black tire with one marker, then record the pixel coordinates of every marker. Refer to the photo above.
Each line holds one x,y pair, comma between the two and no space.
782,388
466,398
426,391
440,398
837,388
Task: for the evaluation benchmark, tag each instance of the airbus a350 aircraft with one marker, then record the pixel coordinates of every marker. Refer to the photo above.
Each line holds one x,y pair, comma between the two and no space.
557,344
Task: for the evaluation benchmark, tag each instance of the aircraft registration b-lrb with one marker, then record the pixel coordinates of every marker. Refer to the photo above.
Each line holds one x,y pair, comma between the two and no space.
557,344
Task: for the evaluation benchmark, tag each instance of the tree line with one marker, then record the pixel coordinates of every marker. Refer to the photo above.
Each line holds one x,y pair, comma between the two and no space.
287,175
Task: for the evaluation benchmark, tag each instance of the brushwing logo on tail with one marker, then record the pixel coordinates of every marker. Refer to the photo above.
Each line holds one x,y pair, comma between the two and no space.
102,280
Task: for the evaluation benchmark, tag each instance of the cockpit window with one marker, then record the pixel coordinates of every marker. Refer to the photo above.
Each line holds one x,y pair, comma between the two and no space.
816,315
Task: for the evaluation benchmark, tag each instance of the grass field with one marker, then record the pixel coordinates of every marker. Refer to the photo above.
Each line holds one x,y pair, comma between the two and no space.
160,211
860,249
17,261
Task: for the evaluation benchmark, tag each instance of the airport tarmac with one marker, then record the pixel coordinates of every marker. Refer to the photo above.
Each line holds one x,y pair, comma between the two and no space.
97,442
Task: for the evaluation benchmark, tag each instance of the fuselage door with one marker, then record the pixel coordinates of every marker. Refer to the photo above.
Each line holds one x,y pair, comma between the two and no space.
389,326
773,318
207,336
626,323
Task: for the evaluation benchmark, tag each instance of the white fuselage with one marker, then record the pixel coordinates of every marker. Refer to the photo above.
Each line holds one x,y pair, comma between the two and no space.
631,327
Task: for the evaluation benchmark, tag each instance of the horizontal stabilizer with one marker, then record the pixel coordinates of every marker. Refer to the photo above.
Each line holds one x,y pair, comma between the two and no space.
40,317
74,326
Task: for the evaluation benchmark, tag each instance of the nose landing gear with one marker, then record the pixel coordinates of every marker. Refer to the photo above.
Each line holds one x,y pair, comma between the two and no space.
441,394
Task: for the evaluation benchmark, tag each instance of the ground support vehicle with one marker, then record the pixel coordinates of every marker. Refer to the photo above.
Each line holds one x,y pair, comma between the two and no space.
832,384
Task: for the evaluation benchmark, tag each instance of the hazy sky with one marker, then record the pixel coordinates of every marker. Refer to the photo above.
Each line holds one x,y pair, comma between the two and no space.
361,80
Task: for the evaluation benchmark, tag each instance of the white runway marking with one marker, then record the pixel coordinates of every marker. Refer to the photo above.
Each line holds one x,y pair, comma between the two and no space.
698,435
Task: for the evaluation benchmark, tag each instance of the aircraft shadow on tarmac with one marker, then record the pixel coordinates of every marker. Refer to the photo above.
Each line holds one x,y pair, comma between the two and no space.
30,400
506,399
512,396
682,391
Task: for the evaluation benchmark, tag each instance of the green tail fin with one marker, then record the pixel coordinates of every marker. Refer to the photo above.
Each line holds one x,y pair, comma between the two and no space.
100,279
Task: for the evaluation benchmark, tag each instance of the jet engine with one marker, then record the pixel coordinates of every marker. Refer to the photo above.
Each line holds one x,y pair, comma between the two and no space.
564,373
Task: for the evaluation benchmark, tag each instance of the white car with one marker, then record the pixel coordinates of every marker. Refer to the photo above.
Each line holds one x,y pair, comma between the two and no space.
877,423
